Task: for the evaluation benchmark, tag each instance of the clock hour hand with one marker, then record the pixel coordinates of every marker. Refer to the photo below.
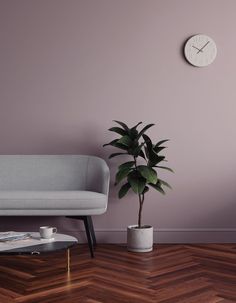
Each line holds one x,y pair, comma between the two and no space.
196,48
200,50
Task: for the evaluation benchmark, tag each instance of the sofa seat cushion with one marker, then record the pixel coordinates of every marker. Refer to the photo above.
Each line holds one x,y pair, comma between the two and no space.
50,200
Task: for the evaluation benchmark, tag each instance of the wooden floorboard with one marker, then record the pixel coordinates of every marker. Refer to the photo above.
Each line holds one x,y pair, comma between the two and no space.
169,274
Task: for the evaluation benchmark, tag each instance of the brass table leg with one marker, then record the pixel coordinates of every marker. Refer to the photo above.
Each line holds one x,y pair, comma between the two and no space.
68,260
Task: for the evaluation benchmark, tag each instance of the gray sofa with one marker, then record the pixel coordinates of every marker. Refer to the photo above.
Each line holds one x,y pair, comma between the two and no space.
75,186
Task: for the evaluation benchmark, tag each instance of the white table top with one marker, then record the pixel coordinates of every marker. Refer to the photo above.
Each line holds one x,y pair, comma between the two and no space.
35,243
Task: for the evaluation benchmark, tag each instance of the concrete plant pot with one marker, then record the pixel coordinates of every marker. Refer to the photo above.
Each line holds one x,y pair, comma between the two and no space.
140,239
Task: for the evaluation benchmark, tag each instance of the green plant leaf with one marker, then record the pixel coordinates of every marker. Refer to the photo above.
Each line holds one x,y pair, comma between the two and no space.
154,160
116,154
111,143
128,164
165,183
121,146
149,146
137,182
145,129
125,127
146,189
134,127
116,144
161,142
148,142
158,188
118,130
124,190
125,140
152,156
166,168
121,174
157,149
133,133
136,150
141,154
148,173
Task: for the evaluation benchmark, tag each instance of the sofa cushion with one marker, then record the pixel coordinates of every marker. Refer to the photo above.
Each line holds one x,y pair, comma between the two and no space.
58,200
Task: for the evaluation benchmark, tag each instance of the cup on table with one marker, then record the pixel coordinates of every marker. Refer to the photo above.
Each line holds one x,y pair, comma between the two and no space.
47,232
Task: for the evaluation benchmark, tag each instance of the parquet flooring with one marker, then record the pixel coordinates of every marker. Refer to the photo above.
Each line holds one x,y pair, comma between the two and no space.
169,274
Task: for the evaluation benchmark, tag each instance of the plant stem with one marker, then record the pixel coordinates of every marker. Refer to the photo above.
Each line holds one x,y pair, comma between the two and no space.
135,163
141,200
140,211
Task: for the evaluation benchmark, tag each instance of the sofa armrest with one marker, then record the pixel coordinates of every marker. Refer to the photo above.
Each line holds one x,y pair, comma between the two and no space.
98,175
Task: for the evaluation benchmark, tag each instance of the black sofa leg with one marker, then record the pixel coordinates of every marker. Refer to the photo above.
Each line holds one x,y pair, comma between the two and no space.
89,229
89,235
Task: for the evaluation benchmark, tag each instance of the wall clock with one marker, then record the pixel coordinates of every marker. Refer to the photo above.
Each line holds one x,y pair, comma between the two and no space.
200,50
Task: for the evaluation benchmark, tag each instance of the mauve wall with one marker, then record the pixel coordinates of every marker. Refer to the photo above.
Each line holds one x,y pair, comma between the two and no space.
67,68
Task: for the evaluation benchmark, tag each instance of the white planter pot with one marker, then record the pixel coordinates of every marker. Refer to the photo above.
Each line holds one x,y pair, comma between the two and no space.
140,239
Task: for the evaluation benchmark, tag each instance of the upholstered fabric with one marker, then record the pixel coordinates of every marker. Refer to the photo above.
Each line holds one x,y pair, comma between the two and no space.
52,200
53,185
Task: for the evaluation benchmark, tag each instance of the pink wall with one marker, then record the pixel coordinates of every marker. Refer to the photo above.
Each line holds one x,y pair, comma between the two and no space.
69,67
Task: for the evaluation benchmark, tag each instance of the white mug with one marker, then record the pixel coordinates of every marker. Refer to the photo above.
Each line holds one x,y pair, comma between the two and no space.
47,232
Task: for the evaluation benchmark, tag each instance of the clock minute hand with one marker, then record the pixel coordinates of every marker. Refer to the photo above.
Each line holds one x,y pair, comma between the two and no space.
203,47
196,48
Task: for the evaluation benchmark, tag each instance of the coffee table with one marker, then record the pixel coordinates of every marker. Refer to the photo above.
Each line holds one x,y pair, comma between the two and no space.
36,246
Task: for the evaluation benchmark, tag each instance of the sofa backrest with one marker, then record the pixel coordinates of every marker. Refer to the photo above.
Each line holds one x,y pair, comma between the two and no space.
53,172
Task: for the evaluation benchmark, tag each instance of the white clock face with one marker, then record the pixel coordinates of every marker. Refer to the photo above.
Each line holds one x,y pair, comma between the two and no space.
200,50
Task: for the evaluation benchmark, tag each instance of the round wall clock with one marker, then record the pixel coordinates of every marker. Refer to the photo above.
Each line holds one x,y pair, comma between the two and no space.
200,50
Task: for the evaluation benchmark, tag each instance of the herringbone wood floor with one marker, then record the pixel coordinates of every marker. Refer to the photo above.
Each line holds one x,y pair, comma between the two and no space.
169,274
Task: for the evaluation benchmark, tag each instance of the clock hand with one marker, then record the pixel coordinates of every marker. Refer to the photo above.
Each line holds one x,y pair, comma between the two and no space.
197,48
203,46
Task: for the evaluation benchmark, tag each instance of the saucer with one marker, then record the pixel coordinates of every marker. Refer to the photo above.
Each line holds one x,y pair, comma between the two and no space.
47,240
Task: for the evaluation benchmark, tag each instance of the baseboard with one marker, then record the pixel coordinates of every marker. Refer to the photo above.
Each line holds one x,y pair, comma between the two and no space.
167,235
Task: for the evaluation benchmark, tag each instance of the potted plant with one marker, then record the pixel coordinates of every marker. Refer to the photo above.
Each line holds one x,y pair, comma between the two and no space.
139,174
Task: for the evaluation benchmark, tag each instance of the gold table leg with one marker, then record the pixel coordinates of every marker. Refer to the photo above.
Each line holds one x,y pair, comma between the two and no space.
68,260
